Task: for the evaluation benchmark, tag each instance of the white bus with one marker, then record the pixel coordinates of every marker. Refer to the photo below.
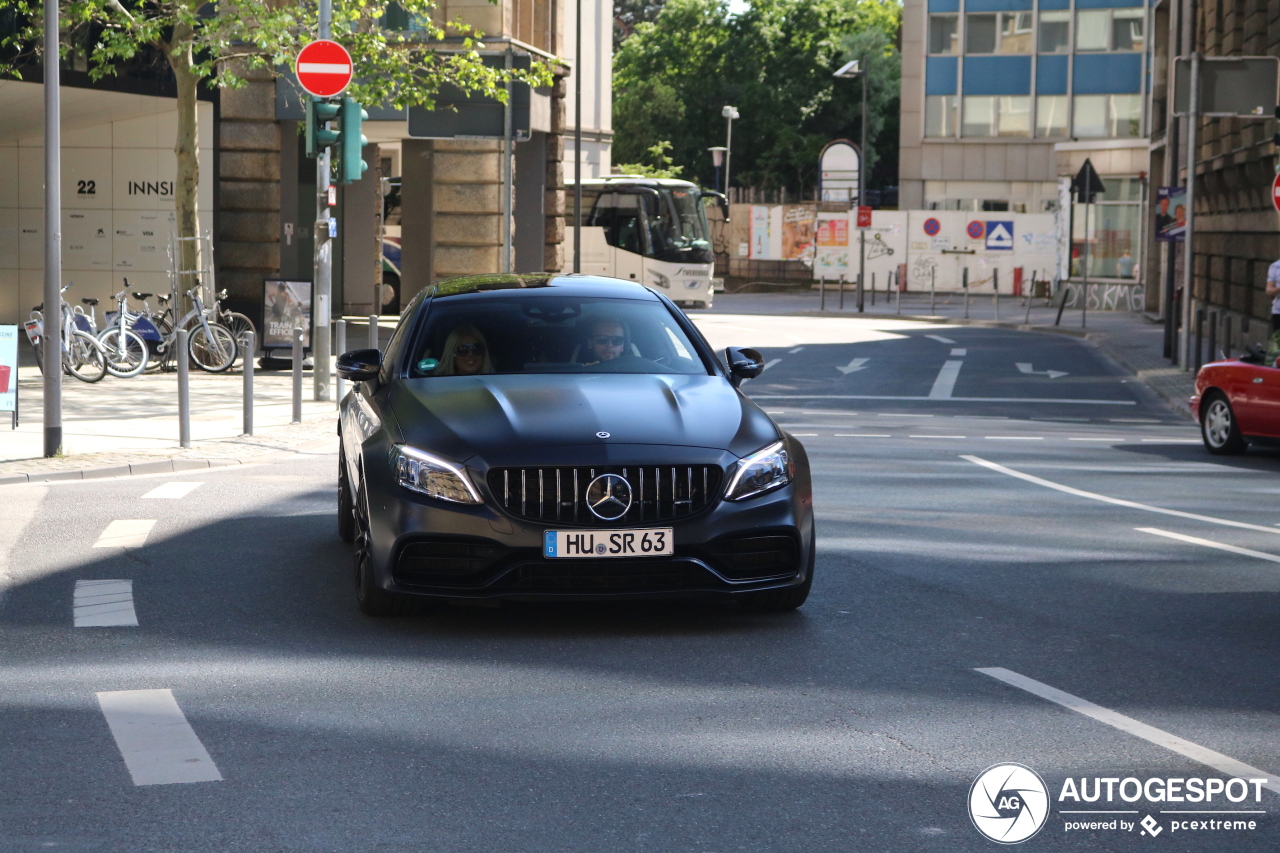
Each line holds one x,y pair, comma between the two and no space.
650,230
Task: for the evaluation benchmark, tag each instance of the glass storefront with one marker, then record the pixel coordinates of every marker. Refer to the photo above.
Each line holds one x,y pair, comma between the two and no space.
1113,235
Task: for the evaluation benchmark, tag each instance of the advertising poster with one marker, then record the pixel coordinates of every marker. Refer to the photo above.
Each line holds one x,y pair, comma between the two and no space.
285,304
797,233
831,257
8,368
1171,214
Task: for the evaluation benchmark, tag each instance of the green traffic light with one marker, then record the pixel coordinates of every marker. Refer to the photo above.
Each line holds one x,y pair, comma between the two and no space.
352,117
319,113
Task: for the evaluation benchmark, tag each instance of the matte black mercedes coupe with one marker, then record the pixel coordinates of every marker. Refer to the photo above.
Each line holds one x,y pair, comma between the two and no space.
565,437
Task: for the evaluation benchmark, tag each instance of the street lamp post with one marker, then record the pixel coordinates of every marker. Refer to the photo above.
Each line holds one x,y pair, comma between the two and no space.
717,160
730,113
857,68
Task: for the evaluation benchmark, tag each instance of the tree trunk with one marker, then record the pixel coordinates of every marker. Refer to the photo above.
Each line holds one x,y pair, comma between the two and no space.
185,195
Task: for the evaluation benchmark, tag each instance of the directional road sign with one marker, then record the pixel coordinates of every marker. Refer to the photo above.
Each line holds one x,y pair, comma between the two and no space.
324,68
1000,236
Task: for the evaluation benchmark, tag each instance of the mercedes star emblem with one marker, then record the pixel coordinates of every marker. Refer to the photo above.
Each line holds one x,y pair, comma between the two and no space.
609,497
602,435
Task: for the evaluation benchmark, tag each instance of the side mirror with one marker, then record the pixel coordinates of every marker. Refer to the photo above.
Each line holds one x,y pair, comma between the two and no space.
743,364
721,201
360,365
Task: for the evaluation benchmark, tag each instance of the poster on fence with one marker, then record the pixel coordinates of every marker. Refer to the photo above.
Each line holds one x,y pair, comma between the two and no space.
8,368
831,254
1171,214
285,304
797,233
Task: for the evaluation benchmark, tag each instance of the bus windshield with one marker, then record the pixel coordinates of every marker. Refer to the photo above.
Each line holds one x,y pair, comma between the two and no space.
665,223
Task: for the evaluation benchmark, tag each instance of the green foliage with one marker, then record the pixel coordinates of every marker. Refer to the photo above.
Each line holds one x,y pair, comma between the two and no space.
662,166
774,62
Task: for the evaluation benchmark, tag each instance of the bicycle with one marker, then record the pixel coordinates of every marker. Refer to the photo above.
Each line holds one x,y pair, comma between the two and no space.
127,350
82,354
238,324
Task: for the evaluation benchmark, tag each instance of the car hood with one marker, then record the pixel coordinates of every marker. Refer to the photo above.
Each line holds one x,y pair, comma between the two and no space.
464,416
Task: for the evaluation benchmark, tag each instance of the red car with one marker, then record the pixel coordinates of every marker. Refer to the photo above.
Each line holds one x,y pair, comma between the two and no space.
1237,403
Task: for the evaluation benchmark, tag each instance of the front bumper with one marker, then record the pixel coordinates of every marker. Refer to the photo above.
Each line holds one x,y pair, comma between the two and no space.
426,547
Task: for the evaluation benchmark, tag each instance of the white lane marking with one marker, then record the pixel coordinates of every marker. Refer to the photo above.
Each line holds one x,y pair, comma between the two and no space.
862,435
796,350
1015,438
804,434
1095,439
1209,543
172,491
940,339
1057,401
158,744
960,351
1133,420
104,604
1173,440
902,415
1173,743
946,381
782,412
1025,367
853,366
936,436
1094,496
770,363
125,533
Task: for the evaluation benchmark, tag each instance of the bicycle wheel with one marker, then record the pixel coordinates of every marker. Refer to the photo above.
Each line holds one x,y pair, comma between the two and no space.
239,326
125,360
84,358
214,352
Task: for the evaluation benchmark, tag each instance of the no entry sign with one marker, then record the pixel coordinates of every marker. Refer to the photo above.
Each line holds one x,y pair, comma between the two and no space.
324,68
1275,193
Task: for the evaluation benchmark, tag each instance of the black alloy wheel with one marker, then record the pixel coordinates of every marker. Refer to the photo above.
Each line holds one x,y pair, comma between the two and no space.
1218,426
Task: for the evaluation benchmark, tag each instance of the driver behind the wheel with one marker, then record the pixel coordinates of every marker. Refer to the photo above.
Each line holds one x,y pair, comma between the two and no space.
606,340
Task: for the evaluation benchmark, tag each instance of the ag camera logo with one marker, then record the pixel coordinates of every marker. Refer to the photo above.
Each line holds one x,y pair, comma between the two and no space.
1008,803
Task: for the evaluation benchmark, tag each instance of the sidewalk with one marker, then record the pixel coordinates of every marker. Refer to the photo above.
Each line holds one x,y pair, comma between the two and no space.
1132,340
119,427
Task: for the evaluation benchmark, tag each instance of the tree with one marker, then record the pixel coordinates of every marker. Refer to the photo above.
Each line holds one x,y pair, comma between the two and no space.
774,61
628,13
662,166
217,45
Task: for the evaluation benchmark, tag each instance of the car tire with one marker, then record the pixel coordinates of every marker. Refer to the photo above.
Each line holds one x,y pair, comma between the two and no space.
1218,426
346,506
371,598
782,600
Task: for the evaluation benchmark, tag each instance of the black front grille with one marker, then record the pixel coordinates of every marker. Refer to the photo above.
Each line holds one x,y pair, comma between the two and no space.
588,576
755,557
658,492
444,561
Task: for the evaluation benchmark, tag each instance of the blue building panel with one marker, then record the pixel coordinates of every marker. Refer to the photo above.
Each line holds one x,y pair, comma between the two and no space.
1047,5
1051,74
997,75
997,5
944,5
940,75
1103,74
1103,4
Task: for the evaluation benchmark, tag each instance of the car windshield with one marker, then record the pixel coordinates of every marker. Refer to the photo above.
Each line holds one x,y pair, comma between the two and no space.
492,334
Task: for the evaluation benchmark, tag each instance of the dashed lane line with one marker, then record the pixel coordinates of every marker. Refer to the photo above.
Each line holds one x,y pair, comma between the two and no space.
937,436
1094,439
960,351
1209,543
125,533
104,604
770,363
1222,763
1094,496
940,339
863,435
172,491
157,743
1014,437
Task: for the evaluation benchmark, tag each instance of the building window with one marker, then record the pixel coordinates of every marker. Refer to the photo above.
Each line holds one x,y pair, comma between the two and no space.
1113,231
1091,29
1051,116
939,115
980,34
997,115
1118,116
1110,29
1015,32
1055,32
1127,29
944,34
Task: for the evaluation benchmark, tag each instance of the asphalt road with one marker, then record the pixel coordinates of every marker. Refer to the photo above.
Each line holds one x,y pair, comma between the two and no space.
858,723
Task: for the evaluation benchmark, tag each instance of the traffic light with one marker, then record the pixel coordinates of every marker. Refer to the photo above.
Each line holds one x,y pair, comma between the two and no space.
1276,137
319,113
350,166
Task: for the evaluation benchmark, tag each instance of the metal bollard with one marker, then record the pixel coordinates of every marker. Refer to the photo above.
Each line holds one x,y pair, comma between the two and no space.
842,291
897,294
933,290
1213,336
1032,295
339,347
246,354
184,391
873,290
297,375
1226,337
995,277
373,331
822,294
1197,357
964,282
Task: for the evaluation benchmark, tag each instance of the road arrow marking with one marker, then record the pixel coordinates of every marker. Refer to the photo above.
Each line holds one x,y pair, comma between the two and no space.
854,366
940,339
1025,367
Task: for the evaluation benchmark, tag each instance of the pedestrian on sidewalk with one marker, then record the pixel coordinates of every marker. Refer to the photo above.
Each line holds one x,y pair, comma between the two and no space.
1273,290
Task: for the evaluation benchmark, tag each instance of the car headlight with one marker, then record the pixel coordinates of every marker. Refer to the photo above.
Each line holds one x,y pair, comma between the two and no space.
432,476
760,472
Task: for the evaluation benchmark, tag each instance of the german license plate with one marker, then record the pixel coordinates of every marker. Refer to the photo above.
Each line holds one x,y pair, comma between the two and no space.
654,542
